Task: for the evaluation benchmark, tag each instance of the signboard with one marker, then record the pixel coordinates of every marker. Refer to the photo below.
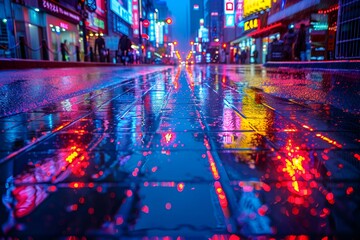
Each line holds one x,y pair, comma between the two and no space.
59,11
122,8
251,24
135,18
152,28
239,14
96,21
229,20
229,6
254,6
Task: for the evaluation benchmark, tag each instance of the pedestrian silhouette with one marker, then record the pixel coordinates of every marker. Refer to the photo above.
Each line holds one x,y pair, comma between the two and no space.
100,48
64,51
123,48
255,56
289,39
300,45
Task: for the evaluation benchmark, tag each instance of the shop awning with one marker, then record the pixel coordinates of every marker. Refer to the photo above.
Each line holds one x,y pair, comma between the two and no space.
266,30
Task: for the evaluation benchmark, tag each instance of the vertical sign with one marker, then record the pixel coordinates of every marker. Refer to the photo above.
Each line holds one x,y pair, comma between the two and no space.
229,10
135,18
152,27
229,6
239,15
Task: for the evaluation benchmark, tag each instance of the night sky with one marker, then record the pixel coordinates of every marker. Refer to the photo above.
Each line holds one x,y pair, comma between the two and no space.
179,10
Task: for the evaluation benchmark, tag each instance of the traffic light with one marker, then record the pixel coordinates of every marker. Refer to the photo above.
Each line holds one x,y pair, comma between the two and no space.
168,21
224,45
191,43
175,43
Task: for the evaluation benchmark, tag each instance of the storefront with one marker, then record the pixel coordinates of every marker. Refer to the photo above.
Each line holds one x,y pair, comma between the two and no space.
21,24
61,24
96,24
246,42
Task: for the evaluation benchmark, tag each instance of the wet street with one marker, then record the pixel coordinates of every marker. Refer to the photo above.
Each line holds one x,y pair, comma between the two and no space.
191,152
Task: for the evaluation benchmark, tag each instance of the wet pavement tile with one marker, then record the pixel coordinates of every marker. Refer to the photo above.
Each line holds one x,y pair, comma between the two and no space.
215,152
198,212
239,140
59,210
184,166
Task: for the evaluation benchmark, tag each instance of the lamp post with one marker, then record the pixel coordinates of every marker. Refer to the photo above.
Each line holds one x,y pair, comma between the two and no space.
84,16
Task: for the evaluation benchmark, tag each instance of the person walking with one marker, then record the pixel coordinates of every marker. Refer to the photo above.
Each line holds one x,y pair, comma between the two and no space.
289,39
100,48
255,56
123,48
300,45
64,51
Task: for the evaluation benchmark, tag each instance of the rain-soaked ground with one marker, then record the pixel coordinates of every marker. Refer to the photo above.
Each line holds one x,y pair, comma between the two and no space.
199,152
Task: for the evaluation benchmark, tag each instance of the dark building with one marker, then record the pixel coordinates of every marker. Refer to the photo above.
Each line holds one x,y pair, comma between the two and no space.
348,30
214,19
196,13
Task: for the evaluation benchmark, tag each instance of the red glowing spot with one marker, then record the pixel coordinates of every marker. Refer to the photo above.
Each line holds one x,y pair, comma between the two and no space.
295,211
302,237
146,184
299,200
119,220
234,237
357,156
73,207
168,206
91,211
82,200
135,172
262,210
99,189
145,209
266,187
76,185
313,212
52,188
330,198
325,212
313,184
154,169
325,157
349,190
91,185
180,187
129,193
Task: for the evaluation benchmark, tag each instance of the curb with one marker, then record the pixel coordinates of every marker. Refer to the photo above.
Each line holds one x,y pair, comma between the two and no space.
346,65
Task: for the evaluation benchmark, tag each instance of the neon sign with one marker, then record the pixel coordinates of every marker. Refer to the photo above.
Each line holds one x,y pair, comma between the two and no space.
251,24
254,6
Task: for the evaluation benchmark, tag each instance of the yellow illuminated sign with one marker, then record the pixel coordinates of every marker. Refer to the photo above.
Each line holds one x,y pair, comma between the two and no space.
253,6
251,24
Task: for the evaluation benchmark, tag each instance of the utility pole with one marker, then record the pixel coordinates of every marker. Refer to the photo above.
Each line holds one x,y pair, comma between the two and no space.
84,16
140,33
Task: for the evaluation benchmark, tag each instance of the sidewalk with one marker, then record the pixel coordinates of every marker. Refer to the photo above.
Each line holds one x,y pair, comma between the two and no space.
15,63
328,65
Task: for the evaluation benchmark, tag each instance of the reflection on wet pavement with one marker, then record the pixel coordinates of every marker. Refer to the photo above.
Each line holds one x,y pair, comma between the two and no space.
202,152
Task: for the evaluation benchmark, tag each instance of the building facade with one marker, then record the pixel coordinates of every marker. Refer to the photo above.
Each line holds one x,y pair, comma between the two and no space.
260,23
348,30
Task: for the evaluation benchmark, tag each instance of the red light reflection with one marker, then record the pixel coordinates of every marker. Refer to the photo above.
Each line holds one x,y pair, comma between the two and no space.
296,165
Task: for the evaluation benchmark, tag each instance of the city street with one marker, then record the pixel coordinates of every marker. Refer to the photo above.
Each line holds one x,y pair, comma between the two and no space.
185,152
